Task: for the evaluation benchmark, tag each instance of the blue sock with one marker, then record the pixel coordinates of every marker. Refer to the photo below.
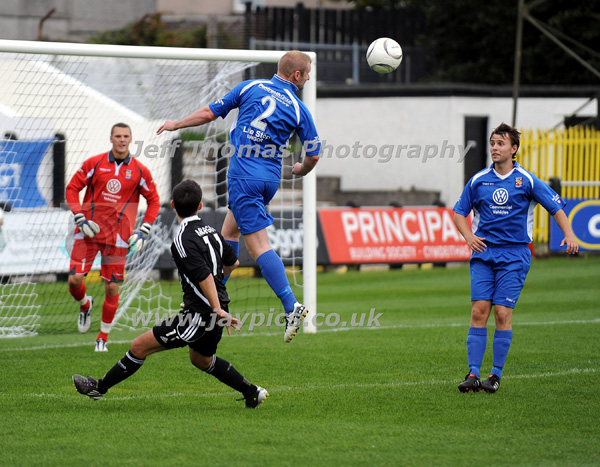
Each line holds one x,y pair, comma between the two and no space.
236,247
273,271
476,344
501,345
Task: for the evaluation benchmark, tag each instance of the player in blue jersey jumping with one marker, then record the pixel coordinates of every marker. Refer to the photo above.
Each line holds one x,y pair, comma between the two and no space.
269,113
502,198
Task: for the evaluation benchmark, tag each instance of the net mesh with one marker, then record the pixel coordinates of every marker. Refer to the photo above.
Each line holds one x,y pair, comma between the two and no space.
55,112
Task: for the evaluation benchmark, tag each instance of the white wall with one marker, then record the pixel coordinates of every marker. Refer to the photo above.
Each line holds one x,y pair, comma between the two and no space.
418,122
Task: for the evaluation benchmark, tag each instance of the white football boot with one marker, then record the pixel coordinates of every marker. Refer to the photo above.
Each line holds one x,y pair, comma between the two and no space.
85,318
293,321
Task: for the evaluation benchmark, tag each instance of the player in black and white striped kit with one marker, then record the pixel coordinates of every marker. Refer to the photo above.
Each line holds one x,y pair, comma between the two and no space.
203,258
199,251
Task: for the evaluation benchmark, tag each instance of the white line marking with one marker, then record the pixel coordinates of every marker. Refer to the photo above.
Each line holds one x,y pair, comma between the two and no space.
391,384
321,330
61,346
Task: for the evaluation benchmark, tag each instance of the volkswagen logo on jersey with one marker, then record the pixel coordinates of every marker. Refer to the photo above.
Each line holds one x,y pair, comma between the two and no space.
114,186
500,196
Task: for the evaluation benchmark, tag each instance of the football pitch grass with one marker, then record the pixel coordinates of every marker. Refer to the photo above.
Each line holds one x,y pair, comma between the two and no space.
379,395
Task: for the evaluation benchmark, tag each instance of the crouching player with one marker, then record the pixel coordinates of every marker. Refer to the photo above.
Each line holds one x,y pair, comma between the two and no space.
203,258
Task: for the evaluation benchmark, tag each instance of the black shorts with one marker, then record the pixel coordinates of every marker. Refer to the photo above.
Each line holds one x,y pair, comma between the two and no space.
199,332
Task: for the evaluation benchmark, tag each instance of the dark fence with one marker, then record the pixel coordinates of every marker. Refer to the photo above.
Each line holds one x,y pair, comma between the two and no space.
341,38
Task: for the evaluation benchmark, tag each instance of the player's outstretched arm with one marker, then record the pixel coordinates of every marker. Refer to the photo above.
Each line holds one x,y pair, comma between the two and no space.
199,117
475,243
561,219
210,292
227,270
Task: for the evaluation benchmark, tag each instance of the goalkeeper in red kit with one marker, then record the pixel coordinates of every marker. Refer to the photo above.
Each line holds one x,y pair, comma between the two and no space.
105,223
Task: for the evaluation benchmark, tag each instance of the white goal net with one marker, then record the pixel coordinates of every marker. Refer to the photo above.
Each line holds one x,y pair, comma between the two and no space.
57,105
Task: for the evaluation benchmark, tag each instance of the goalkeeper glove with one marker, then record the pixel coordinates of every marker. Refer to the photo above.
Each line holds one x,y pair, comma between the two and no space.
88,228
138,239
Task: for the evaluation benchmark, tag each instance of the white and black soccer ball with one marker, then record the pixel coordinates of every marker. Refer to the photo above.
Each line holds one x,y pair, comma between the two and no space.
384,55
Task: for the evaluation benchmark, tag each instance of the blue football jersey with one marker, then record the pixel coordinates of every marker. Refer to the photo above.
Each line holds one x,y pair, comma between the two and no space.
269,113
503,205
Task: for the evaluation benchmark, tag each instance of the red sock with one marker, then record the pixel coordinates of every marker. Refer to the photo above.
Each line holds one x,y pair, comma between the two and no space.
109,308
78,294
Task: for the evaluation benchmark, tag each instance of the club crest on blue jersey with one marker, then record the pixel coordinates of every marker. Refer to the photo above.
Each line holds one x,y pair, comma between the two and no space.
519,181
128,174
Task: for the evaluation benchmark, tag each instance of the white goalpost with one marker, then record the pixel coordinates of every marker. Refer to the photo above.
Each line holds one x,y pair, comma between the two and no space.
58,102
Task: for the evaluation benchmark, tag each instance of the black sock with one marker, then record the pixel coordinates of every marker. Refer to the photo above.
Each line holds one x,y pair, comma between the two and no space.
123,369
227,374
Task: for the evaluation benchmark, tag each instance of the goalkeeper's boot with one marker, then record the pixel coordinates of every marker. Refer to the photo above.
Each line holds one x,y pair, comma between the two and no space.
257,398
491,384
85,318
87,386
101,346
471,383
293,321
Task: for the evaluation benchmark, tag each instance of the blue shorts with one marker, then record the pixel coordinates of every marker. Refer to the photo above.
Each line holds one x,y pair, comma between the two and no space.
248,200
498,274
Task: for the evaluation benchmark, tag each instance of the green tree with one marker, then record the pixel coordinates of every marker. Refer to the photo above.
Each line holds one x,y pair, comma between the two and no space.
473,41
151,30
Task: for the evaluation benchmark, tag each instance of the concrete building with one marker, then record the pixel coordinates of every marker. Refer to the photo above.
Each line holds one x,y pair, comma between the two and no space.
77,20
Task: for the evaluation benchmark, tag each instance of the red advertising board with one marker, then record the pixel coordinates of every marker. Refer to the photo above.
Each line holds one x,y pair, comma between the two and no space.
392,235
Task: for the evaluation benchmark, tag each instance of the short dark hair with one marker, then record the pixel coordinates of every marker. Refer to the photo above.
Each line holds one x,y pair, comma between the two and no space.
187,195
119,125
515,135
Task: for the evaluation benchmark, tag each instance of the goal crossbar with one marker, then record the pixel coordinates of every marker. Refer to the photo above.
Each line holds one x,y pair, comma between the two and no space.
309,211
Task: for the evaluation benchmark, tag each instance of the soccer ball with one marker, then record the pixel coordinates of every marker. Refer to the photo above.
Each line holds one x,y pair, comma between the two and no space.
384,55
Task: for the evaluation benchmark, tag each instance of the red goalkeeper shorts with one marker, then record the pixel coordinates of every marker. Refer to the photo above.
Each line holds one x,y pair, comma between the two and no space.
85,251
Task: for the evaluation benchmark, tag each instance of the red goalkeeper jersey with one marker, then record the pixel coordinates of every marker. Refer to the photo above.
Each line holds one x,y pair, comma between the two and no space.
112,195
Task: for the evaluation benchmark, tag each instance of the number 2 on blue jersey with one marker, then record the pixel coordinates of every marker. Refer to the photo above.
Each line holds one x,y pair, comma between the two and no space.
258,121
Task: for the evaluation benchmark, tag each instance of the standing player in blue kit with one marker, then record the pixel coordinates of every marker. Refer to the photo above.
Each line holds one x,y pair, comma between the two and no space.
502,198
269,113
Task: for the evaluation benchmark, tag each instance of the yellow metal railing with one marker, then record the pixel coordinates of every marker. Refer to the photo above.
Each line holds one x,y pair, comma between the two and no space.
572,155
